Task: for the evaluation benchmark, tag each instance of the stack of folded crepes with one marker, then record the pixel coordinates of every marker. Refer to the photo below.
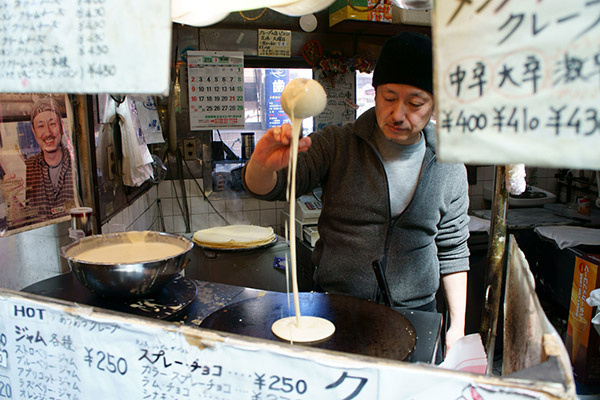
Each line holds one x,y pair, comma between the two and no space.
234,237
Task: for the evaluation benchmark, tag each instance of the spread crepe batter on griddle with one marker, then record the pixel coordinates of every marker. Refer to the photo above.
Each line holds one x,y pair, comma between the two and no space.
234,236
301,98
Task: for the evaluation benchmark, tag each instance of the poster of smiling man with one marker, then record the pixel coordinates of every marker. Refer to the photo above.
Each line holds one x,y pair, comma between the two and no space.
37,164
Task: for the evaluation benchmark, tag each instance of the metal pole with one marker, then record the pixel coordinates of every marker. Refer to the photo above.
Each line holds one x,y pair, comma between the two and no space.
495,267
86,156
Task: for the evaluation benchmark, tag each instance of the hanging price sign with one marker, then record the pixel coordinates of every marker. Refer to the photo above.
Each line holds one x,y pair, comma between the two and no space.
518,82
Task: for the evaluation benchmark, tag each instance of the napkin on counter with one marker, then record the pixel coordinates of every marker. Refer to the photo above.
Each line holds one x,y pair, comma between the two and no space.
467,355
594,301
477,224
569,236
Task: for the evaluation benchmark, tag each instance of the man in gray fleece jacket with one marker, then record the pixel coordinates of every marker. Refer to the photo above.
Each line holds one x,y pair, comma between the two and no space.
385,195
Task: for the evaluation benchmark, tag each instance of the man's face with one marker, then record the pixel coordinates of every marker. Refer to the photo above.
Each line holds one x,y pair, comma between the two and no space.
47,129
402,111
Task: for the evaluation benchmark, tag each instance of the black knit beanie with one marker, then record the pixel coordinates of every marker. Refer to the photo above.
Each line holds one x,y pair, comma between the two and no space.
406,58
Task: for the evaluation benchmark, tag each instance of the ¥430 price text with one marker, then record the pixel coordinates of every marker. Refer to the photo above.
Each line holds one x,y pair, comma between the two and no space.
581,121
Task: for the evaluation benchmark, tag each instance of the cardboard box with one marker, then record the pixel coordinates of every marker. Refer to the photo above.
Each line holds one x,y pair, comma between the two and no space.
340,10
583,340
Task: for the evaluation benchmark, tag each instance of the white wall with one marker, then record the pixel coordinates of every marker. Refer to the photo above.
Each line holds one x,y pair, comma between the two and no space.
32,256
140,216
235,207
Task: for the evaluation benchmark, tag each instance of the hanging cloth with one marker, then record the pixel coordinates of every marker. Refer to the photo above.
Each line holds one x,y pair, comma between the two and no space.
137,160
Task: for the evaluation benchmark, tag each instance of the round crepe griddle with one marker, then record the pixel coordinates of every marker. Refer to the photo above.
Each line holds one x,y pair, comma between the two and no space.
361,327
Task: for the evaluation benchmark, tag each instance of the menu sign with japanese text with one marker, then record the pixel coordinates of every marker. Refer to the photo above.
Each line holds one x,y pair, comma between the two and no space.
274,43
216,89
85,46
62,351
518,82
341,99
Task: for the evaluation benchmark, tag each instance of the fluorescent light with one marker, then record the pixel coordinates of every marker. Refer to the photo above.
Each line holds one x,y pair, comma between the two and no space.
413,4
204,13
303,7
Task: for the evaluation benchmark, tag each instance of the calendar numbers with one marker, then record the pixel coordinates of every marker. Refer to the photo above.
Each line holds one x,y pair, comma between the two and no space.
216,89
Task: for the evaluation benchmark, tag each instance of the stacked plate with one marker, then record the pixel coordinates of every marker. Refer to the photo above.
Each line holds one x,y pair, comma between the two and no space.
234,237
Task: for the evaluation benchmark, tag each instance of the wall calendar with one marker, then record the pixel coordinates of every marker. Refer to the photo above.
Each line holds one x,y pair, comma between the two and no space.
216,89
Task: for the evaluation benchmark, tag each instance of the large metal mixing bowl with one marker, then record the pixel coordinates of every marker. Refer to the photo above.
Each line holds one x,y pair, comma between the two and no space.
126,279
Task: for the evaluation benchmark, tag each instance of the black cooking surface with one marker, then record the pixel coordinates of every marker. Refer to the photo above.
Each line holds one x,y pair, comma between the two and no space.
361,327
166,304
